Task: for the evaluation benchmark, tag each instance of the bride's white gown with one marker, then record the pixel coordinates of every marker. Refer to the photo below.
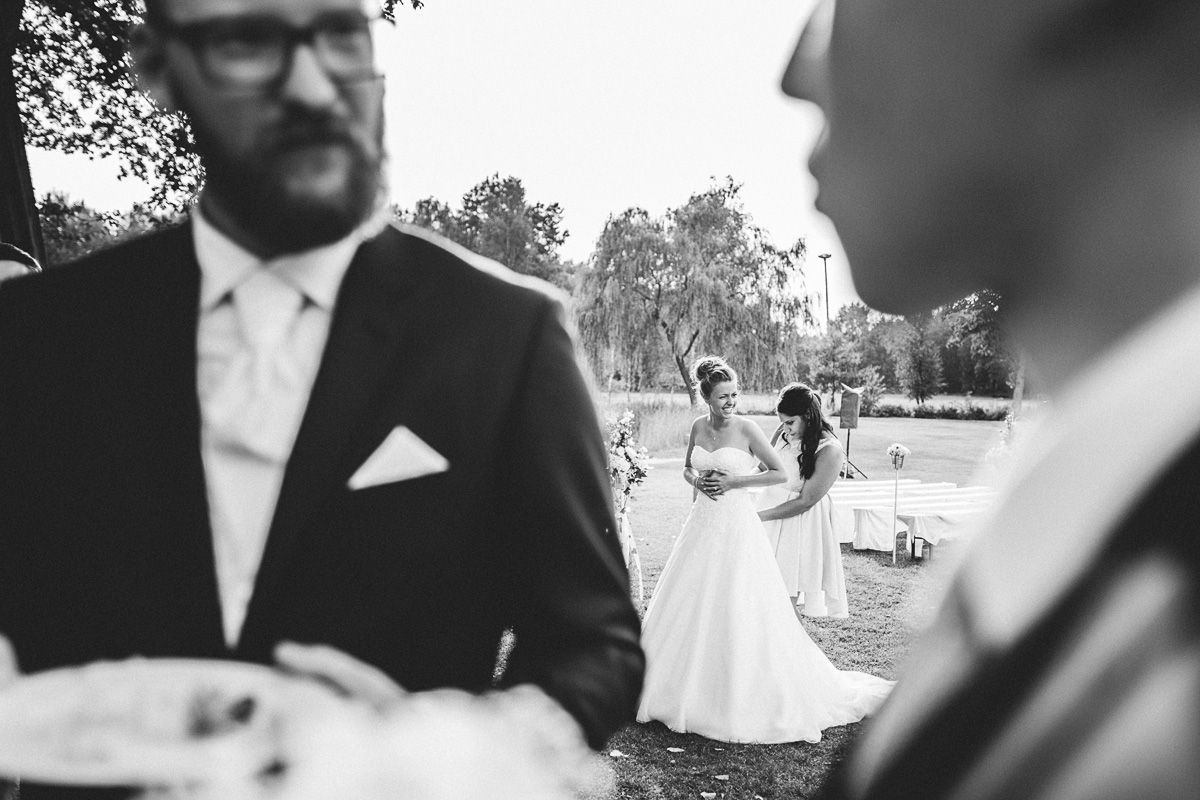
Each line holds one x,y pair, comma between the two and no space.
726,656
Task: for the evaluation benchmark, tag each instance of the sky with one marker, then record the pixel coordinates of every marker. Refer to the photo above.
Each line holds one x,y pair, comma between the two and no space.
596,106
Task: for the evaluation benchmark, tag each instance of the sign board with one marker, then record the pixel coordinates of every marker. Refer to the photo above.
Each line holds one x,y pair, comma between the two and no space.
851,401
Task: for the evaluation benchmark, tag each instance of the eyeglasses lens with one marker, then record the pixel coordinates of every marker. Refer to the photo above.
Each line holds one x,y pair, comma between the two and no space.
254,52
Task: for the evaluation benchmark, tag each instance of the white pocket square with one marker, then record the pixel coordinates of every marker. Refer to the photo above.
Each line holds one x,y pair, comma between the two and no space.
402,456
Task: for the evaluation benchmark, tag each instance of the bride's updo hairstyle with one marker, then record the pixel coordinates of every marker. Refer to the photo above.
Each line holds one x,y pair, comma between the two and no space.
798,400
709,371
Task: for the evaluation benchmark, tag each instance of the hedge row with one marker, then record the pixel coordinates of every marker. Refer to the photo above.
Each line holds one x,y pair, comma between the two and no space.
928,411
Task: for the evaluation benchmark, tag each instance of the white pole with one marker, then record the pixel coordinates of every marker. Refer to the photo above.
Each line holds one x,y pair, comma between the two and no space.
895,504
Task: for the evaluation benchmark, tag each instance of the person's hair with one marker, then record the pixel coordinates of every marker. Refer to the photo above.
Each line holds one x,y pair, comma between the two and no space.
10,252
709,371
798,400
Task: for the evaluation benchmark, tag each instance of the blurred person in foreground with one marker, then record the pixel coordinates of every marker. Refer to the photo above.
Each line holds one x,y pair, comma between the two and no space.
284,421
1045,149
15,262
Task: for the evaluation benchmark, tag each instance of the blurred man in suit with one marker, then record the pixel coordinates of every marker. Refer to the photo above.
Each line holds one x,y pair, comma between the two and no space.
1046,149
286,421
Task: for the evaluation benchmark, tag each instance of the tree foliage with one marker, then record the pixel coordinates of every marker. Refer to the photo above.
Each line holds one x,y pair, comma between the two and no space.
702,276
72,72
917,353
976,356
497,220
71,229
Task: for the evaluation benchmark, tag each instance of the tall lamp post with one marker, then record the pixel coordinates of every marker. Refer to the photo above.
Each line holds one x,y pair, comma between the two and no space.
825,261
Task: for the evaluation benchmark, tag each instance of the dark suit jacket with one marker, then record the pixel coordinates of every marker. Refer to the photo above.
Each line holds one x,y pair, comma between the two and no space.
105,546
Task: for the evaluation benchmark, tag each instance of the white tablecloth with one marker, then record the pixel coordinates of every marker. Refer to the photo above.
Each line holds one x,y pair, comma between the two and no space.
862,510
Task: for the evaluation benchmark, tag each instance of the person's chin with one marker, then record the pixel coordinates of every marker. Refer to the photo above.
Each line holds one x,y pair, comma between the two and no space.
336,197
316,174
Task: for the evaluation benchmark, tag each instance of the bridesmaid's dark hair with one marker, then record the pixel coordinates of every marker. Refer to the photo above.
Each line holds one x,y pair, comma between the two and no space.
709,371
798,400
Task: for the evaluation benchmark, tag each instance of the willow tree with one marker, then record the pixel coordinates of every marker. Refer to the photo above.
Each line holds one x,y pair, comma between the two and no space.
703,276
612,320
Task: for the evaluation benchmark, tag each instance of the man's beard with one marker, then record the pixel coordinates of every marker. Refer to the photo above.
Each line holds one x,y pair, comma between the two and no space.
254,190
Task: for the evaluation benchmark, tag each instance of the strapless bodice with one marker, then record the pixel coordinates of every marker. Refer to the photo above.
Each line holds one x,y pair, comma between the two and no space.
730,460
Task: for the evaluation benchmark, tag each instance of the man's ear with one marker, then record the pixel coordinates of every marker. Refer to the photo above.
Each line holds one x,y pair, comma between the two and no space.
148,52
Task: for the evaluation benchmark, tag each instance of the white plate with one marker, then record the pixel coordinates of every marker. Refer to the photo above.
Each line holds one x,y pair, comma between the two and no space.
154,722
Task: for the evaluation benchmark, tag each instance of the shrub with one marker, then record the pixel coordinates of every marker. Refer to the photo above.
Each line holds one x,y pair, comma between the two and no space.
968,411
872,385
890,410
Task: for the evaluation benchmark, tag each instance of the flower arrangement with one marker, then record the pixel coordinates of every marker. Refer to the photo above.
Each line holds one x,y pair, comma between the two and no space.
898,451
628,463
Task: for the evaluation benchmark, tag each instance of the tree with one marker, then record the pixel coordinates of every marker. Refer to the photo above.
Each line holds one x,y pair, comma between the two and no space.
433,215
496,220
703,276
72,229
835,358
975,327
868,333
918,358
72,76
615,326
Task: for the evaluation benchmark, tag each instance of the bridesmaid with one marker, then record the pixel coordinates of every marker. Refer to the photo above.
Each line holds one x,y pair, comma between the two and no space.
798,517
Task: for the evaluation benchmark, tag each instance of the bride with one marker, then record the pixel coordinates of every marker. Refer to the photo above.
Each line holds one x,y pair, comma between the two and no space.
725,655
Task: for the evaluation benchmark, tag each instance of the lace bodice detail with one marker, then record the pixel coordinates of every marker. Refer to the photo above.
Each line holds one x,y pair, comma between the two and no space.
730,460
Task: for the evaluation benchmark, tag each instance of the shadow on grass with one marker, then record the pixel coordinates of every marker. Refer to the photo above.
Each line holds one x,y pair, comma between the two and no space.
646,767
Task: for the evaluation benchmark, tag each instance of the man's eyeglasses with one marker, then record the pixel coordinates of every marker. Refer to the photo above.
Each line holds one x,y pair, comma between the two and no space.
254,52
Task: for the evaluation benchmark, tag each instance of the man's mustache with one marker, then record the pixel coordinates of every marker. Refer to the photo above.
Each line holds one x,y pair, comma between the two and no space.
303,132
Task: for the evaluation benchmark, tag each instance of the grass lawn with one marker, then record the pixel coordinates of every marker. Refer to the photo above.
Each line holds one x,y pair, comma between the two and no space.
888,605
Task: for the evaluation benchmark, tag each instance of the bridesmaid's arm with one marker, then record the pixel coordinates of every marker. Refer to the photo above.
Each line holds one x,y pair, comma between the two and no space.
824,475
767,455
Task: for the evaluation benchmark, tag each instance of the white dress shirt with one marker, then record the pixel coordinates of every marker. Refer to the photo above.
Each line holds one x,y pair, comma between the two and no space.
243,487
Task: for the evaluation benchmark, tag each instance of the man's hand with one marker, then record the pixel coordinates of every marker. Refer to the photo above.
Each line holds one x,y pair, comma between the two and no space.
8,663
343,672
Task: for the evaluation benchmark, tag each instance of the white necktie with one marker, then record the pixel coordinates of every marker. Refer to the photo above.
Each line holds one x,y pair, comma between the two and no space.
251,407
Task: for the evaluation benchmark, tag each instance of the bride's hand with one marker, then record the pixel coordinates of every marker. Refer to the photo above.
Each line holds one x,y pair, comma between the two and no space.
712,483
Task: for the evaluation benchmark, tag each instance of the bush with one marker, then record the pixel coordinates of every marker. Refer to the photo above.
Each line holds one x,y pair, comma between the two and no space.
890,410
872,389
966,410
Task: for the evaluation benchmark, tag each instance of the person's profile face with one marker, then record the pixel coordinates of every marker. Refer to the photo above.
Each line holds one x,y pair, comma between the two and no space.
12,269
303,152
723,399
916,161
793,426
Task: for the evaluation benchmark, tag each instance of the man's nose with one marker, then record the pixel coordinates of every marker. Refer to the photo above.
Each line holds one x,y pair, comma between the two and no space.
307,82
807,74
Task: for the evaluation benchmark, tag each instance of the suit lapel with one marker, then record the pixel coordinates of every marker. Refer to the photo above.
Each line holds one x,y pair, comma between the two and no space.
375,314
157,438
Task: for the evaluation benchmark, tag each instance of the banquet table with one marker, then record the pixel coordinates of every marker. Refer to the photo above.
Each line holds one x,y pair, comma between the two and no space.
847,484
933,517
845,498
